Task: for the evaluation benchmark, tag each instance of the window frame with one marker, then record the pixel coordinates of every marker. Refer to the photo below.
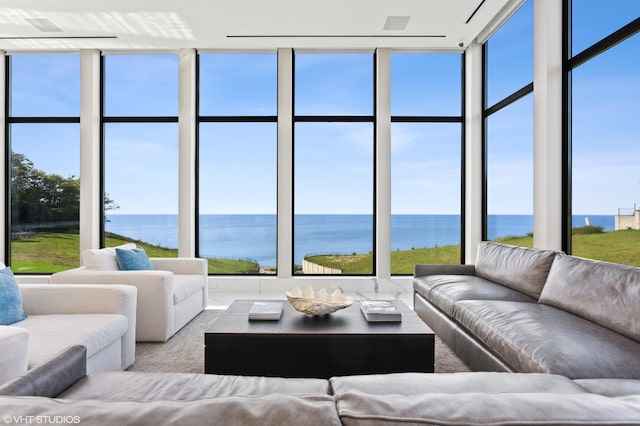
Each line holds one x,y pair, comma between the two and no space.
117,120
200,118
372,118
447,119
9,120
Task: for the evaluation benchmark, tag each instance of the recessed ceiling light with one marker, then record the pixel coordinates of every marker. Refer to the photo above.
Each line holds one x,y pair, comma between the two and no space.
44,25
396,22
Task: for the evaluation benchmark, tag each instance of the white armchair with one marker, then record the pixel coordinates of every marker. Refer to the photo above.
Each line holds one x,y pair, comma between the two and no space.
169,296
100,318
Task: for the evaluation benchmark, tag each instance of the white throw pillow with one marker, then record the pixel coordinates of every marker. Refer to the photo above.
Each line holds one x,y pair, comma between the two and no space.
103,259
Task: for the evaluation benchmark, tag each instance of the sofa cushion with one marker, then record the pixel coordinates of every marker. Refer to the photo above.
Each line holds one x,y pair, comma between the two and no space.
444,291
11,309
146,387
103,259
134,259
408,384
581,285
610,387
184,285
275,409
520,268
470,408
532,337
50,334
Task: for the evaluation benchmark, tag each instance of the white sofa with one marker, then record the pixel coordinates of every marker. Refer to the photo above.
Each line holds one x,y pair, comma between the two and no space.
101,318
169,296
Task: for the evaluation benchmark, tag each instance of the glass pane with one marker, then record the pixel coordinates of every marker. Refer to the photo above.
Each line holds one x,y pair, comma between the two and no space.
510,174
334,84
238,84
606,156
45,197
593,20
238,197
45,85
510,55
425,194
333,204
141,85
426,84
141,180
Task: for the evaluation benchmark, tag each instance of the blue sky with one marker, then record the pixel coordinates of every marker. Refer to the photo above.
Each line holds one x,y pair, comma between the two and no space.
334,161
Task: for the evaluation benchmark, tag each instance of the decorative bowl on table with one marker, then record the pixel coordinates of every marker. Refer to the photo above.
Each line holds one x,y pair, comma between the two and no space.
319,302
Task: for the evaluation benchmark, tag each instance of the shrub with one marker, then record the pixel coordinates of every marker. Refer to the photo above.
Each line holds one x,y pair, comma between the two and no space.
580,230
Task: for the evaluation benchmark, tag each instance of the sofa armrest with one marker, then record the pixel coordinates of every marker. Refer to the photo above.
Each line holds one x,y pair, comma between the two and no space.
52,377
181,265
155,296
14,352
47,299
424,270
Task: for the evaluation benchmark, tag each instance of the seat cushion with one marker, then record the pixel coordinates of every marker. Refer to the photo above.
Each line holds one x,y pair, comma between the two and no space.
443,291
146,387
50,334
486,409
408,384
533,337
275,409
520,268
184,285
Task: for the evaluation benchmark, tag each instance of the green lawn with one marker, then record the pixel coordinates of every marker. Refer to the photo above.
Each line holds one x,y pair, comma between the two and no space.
57,251
616,246
48,252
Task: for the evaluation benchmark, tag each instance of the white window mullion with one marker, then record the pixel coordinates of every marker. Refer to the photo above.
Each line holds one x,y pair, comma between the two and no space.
285,163
90,196
383,163
187,153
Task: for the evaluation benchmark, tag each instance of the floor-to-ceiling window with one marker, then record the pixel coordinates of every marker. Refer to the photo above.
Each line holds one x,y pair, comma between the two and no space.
605,150
426,159
43,108
140,145
333,164
509,130
237,164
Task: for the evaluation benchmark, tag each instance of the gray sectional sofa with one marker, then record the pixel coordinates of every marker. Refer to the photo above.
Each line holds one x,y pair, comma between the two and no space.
535,311
60,392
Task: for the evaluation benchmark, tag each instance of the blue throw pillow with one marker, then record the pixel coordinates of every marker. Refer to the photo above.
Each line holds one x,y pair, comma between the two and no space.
133,259
10,299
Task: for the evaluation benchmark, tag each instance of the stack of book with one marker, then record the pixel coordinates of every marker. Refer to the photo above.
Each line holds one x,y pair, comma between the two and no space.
270,311
380,311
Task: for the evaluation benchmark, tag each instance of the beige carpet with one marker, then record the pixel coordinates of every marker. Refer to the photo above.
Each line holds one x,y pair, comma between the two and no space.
184,352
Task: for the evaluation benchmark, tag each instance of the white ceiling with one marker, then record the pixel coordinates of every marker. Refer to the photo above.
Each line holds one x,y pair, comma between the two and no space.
246,24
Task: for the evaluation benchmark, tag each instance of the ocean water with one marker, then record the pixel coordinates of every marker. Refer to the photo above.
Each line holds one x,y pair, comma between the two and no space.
254,236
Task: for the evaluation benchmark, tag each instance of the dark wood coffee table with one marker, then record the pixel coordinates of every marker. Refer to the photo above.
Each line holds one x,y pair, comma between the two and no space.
297,345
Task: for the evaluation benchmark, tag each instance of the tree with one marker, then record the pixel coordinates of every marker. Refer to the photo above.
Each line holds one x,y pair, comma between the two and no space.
38,197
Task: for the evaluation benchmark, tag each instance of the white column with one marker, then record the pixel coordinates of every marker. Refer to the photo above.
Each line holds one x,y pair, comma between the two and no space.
3,150
547,124
187,153
473,150
90,194
285,163
383,163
